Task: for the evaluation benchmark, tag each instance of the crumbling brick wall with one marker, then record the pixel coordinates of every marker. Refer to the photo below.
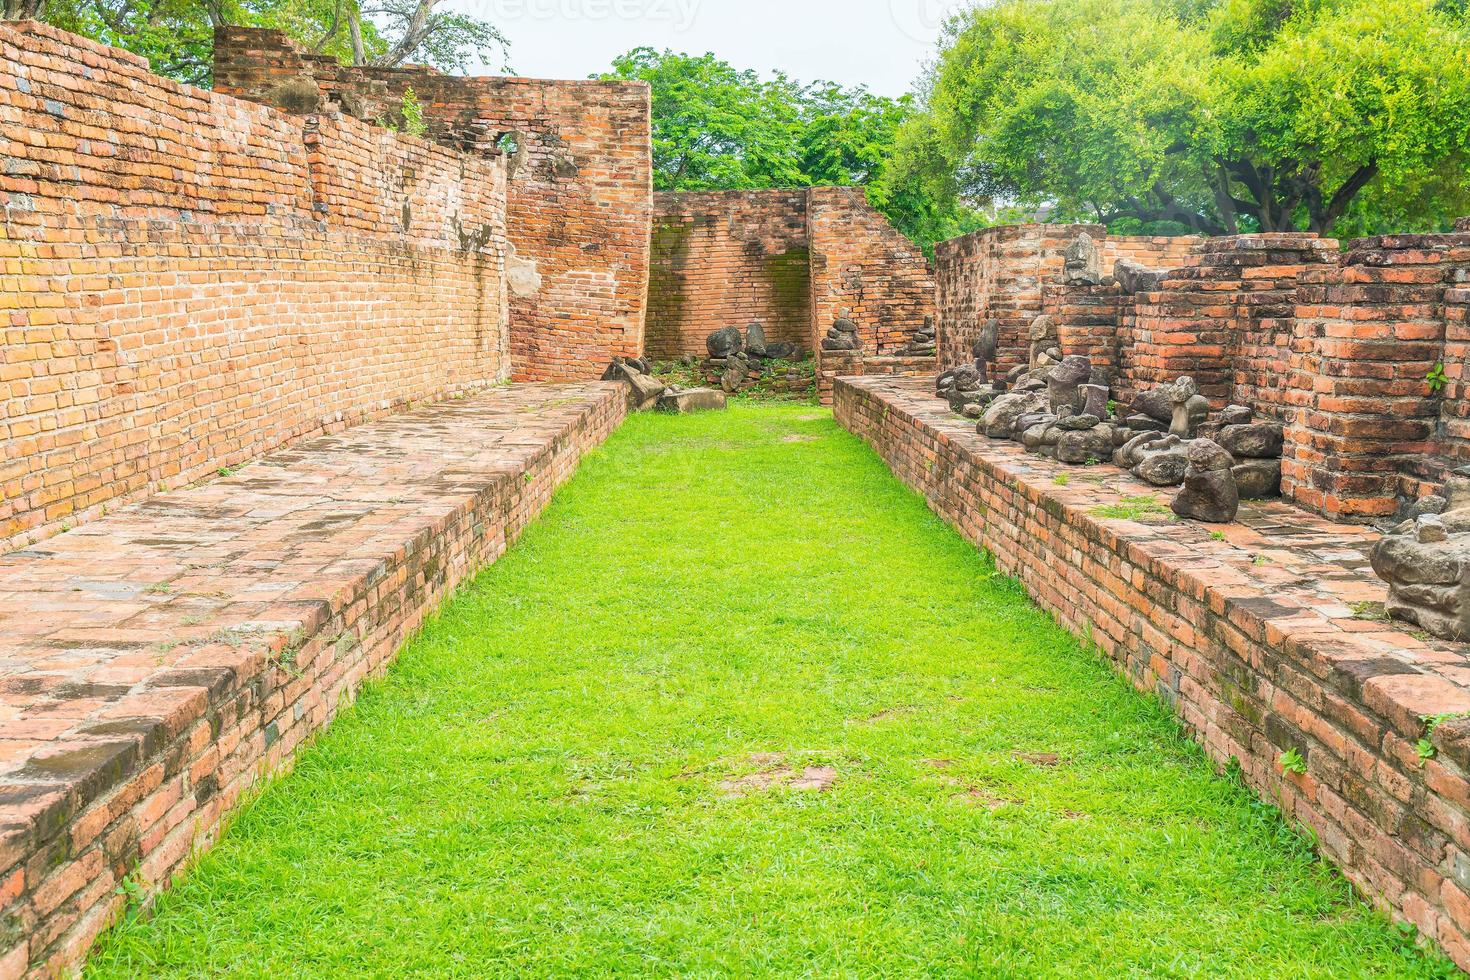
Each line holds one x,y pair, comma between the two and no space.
1226,320
1371,331
191,280
580,196
727,258
866,270
1013,273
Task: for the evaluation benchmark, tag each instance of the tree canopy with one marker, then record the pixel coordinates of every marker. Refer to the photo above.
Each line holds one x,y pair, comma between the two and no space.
177,36
1217,116
716,127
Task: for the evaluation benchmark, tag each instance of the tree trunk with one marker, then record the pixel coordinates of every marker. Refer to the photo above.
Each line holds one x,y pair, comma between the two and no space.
23,10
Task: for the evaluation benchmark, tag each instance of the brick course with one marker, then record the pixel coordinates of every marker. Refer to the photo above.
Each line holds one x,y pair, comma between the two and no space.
190,280
1255,658
580,192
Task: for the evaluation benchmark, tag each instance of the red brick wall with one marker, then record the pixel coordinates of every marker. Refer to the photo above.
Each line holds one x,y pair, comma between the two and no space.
1226,320
866,270
726,258
1004,273
1253,658
193,280
1371,329
580,191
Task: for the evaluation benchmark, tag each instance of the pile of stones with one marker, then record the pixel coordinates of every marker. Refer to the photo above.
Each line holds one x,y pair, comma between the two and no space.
1426,562
735,358
1057,405
646,391
925,343
842,336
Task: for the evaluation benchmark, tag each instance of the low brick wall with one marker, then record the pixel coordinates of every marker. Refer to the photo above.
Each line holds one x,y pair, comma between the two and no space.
1255,641
159,662
838,364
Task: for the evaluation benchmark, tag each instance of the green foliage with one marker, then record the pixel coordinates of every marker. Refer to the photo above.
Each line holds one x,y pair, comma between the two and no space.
1216,116
412,111
1436,378
716,127
1291,761
541,786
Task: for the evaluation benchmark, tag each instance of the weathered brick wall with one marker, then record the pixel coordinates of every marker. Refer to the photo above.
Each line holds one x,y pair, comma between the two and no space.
1227,320
1371,329
1007,273
580,197
866,270
726,258
190,280
1255,659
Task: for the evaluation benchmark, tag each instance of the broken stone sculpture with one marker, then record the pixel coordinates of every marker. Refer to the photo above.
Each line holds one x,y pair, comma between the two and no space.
724,342
1256,447
1188,408
644,389
843,336
1063,381
1045,349
1001,415
924,343
755,340
692,400
1426,563
1082,262
1209,492
1134,277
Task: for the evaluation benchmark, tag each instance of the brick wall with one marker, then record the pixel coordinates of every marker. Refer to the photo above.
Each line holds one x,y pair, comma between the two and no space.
1255,659
191,280
1227,320
727,258
866,270
1005,273
580,196
1372,328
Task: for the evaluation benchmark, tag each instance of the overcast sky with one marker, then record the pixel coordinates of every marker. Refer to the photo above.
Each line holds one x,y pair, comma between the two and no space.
880,43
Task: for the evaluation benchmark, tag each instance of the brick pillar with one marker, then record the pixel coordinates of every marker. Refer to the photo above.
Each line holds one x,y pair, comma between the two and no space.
1087,320
1369,330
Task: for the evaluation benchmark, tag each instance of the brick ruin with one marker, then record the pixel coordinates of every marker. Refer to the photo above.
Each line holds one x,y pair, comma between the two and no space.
188,276
795,261
580,172
195,281
1336,345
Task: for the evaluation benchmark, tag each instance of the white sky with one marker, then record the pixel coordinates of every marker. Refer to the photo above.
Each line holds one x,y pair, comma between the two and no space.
880,43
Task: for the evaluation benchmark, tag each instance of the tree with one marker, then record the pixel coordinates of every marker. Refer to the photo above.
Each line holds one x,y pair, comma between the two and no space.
1217,116
177,36
716,127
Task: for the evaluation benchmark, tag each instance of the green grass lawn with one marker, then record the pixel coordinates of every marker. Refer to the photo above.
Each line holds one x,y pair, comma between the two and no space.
739,704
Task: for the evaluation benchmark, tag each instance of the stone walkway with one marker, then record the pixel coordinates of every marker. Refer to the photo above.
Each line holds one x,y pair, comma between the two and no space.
157,661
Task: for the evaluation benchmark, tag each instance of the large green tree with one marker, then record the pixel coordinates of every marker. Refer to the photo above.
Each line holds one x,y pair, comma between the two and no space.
717,127
177,36
1217,116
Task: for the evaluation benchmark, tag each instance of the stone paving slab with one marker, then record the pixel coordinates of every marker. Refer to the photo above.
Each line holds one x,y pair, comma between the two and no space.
1266,637
157,661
